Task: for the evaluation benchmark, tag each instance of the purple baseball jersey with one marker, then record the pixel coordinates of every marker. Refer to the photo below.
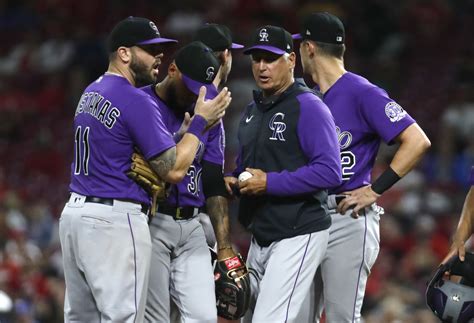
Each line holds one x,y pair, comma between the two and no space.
189,191
364,114
112,118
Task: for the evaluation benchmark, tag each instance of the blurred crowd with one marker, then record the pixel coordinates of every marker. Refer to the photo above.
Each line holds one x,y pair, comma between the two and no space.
418,50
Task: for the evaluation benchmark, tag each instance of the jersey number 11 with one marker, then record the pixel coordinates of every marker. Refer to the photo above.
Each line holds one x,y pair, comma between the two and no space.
81,140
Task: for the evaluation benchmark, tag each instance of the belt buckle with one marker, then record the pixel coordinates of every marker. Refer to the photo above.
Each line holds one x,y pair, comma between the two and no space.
178,214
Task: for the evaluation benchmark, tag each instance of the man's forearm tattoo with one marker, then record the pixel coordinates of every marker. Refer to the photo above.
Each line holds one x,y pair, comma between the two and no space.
218,211
164,162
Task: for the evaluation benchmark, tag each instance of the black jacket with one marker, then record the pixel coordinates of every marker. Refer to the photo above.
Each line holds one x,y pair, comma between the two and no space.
268,136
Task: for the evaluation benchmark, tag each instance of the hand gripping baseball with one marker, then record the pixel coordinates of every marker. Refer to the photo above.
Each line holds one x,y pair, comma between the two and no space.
232,281
141,172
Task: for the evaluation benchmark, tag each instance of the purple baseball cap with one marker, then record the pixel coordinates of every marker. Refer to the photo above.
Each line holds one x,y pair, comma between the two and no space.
198,67
272,39
134,31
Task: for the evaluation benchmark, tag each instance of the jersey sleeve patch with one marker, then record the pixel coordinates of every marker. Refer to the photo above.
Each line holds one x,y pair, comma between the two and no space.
394,111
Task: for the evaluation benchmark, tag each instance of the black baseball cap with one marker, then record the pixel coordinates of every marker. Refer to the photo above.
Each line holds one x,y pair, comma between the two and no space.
199,67
134,31
323,27
217,37
271,38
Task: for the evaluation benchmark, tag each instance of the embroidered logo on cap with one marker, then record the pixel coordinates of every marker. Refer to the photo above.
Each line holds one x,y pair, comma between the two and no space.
155,29
308,32
338,38
209,73
263,34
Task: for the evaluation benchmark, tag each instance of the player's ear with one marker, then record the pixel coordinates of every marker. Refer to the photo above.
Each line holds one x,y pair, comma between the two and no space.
124,54
292,59
312,48
226,54
173,70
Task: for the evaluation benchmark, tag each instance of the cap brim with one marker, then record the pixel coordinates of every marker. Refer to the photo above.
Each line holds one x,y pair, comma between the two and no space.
296,36
194,87
236,46
157,40
272,49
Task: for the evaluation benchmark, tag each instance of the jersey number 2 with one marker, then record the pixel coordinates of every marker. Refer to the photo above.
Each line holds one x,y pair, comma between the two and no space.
348,160
81,140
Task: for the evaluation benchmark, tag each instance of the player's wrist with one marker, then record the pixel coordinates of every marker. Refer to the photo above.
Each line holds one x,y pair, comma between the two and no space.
457,241
385,181
197,126
225,253
374,193
203,116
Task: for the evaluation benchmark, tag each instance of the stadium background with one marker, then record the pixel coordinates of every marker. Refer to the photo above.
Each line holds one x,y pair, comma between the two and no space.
420,51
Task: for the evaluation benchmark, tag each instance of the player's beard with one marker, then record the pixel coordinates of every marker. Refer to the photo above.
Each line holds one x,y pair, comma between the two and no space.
143,74
173,101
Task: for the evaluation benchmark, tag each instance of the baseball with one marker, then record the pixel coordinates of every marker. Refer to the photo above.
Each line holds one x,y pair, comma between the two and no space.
244,176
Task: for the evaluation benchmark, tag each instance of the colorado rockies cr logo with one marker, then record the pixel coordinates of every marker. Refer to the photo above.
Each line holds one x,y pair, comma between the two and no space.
278,127
263,34
153,26
209,73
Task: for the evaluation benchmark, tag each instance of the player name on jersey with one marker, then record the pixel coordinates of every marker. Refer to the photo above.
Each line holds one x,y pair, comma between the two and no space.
93,103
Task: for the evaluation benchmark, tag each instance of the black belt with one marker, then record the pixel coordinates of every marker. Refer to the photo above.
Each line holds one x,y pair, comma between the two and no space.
179,213
106,201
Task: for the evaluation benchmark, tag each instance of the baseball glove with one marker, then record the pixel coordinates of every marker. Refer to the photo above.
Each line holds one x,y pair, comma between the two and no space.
232,287
142,173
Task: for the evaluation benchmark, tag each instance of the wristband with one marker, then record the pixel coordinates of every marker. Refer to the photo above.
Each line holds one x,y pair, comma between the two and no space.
197,126
385,181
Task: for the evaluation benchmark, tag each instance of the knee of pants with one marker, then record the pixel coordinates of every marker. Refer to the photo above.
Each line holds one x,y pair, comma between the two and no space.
83,317
190,320
204,318
119,315
80,315
200,313
336,312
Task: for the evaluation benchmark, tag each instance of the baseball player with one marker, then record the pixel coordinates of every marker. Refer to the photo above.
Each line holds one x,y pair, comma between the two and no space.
104,234
364,115
181,263
219,39
465,225
288,143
